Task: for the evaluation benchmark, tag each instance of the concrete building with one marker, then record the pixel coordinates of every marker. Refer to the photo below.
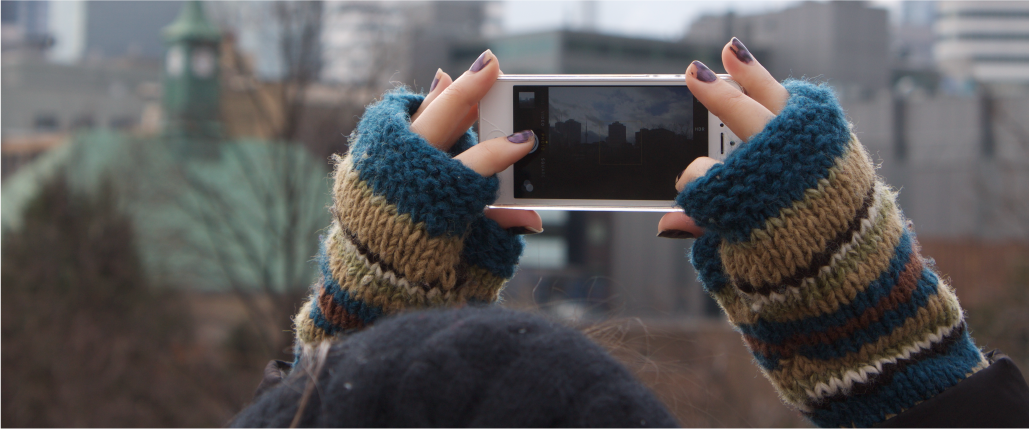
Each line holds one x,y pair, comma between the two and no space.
40,96
361,40
25,23
912,38
984,41
843,42
99,30
581,52
403,41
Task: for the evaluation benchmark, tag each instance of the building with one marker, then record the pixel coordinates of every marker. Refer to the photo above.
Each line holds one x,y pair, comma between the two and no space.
44,103
843,42
101,30
205,207
581,52
983,41
78,65
369,43
25,23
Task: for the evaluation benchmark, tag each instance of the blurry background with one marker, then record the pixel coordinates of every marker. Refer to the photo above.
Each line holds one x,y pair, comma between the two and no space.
164,180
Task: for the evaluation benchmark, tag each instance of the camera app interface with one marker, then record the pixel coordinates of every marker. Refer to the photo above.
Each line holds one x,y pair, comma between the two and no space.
607,142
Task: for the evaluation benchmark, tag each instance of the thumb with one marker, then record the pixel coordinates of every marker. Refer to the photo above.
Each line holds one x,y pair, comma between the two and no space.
495,155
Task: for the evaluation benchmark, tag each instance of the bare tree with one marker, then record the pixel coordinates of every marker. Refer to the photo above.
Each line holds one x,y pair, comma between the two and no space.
255,212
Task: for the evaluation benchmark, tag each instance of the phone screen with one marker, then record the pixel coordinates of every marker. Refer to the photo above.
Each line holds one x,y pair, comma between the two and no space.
607,142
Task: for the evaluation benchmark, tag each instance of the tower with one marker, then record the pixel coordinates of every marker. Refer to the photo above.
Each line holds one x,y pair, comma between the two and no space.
191,88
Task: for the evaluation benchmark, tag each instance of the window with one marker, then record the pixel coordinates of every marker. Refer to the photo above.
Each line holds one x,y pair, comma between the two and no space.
45,122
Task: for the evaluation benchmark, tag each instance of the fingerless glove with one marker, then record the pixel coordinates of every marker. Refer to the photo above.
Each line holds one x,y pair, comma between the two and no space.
808,254
408,229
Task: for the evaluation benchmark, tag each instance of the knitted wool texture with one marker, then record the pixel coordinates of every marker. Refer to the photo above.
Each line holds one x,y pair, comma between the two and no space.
408,229
811,259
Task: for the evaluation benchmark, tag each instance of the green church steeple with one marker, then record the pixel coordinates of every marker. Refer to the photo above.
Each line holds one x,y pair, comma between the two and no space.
191,87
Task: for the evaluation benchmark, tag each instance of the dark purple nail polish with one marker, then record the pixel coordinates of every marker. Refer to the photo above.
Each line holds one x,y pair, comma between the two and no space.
480,62
524,230
522,137
435,81
678,176
741,51
703,73
675,233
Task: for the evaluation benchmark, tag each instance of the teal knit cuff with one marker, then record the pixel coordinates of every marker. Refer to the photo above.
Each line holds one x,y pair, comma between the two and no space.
419,179
772,170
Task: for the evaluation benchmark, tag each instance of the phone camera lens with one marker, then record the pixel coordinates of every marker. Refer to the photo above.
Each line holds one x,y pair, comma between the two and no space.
528,186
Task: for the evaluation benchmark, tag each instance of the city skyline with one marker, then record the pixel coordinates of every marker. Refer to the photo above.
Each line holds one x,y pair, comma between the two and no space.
636,108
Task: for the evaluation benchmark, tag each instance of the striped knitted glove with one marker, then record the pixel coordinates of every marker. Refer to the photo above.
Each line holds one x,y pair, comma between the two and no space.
808,254
408,229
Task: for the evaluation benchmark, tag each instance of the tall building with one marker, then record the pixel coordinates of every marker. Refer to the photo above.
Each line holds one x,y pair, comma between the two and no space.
616,133
360,39
579,52
913,38
844,42
99,30
24,24
570,131
985,41
398,41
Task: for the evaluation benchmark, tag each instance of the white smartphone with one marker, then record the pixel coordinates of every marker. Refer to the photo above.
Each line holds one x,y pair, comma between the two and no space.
605,142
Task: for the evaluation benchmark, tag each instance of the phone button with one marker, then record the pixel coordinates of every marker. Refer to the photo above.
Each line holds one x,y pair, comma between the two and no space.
495,134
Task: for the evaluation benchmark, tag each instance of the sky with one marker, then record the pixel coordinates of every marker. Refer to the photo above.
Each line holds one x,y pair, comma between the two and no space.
667,20
670,108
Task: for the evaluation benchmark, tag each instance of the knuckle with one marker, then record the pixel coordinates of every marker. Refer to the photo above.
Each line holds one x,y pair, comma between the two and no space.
734,101
457,95
490,152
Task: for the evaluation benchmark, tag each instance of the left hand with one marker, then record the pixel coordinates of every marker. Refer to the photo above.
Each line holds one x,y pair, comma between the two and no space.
744,114
450,108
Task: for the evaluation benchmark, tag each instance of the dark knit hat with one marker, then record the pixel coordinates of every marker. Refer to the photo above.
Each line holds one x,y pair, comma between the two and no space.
484,366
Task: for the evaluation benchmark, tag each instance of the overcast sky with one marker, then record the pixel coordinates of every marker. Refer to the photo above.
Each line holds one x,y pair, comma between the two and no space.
653,19
670,108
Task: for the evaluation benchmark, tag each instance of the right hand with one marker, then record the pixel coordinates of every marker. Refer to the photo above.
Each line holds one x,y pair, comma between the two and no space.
744,114
450,108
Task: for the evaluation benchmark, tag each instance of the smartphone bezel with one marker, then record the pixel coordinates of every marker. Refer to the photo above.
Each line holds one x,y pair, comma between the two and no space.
496,119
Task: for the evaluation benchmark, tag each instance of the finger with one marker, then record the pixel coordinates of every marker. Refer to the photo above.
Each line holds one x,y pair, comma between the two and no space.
437,123
465,124
495,155
758,82
695,170
744,116
523,222
439,82
678,225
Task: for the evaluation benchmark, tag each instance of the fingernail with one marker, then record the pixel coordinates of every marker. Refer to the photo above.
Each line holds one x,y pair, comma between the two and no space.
524,230
522,137
741,51
481,62
702,73
435,80
675,233
677,176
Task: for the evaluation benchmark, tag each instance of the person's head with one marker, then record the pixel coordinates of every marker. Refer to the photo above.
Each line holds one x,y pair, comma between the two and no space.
465,367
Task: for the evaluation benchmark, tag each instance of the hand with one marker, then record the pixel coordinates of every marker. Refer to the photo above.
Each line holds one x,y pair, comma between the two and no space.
450,108
744,114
